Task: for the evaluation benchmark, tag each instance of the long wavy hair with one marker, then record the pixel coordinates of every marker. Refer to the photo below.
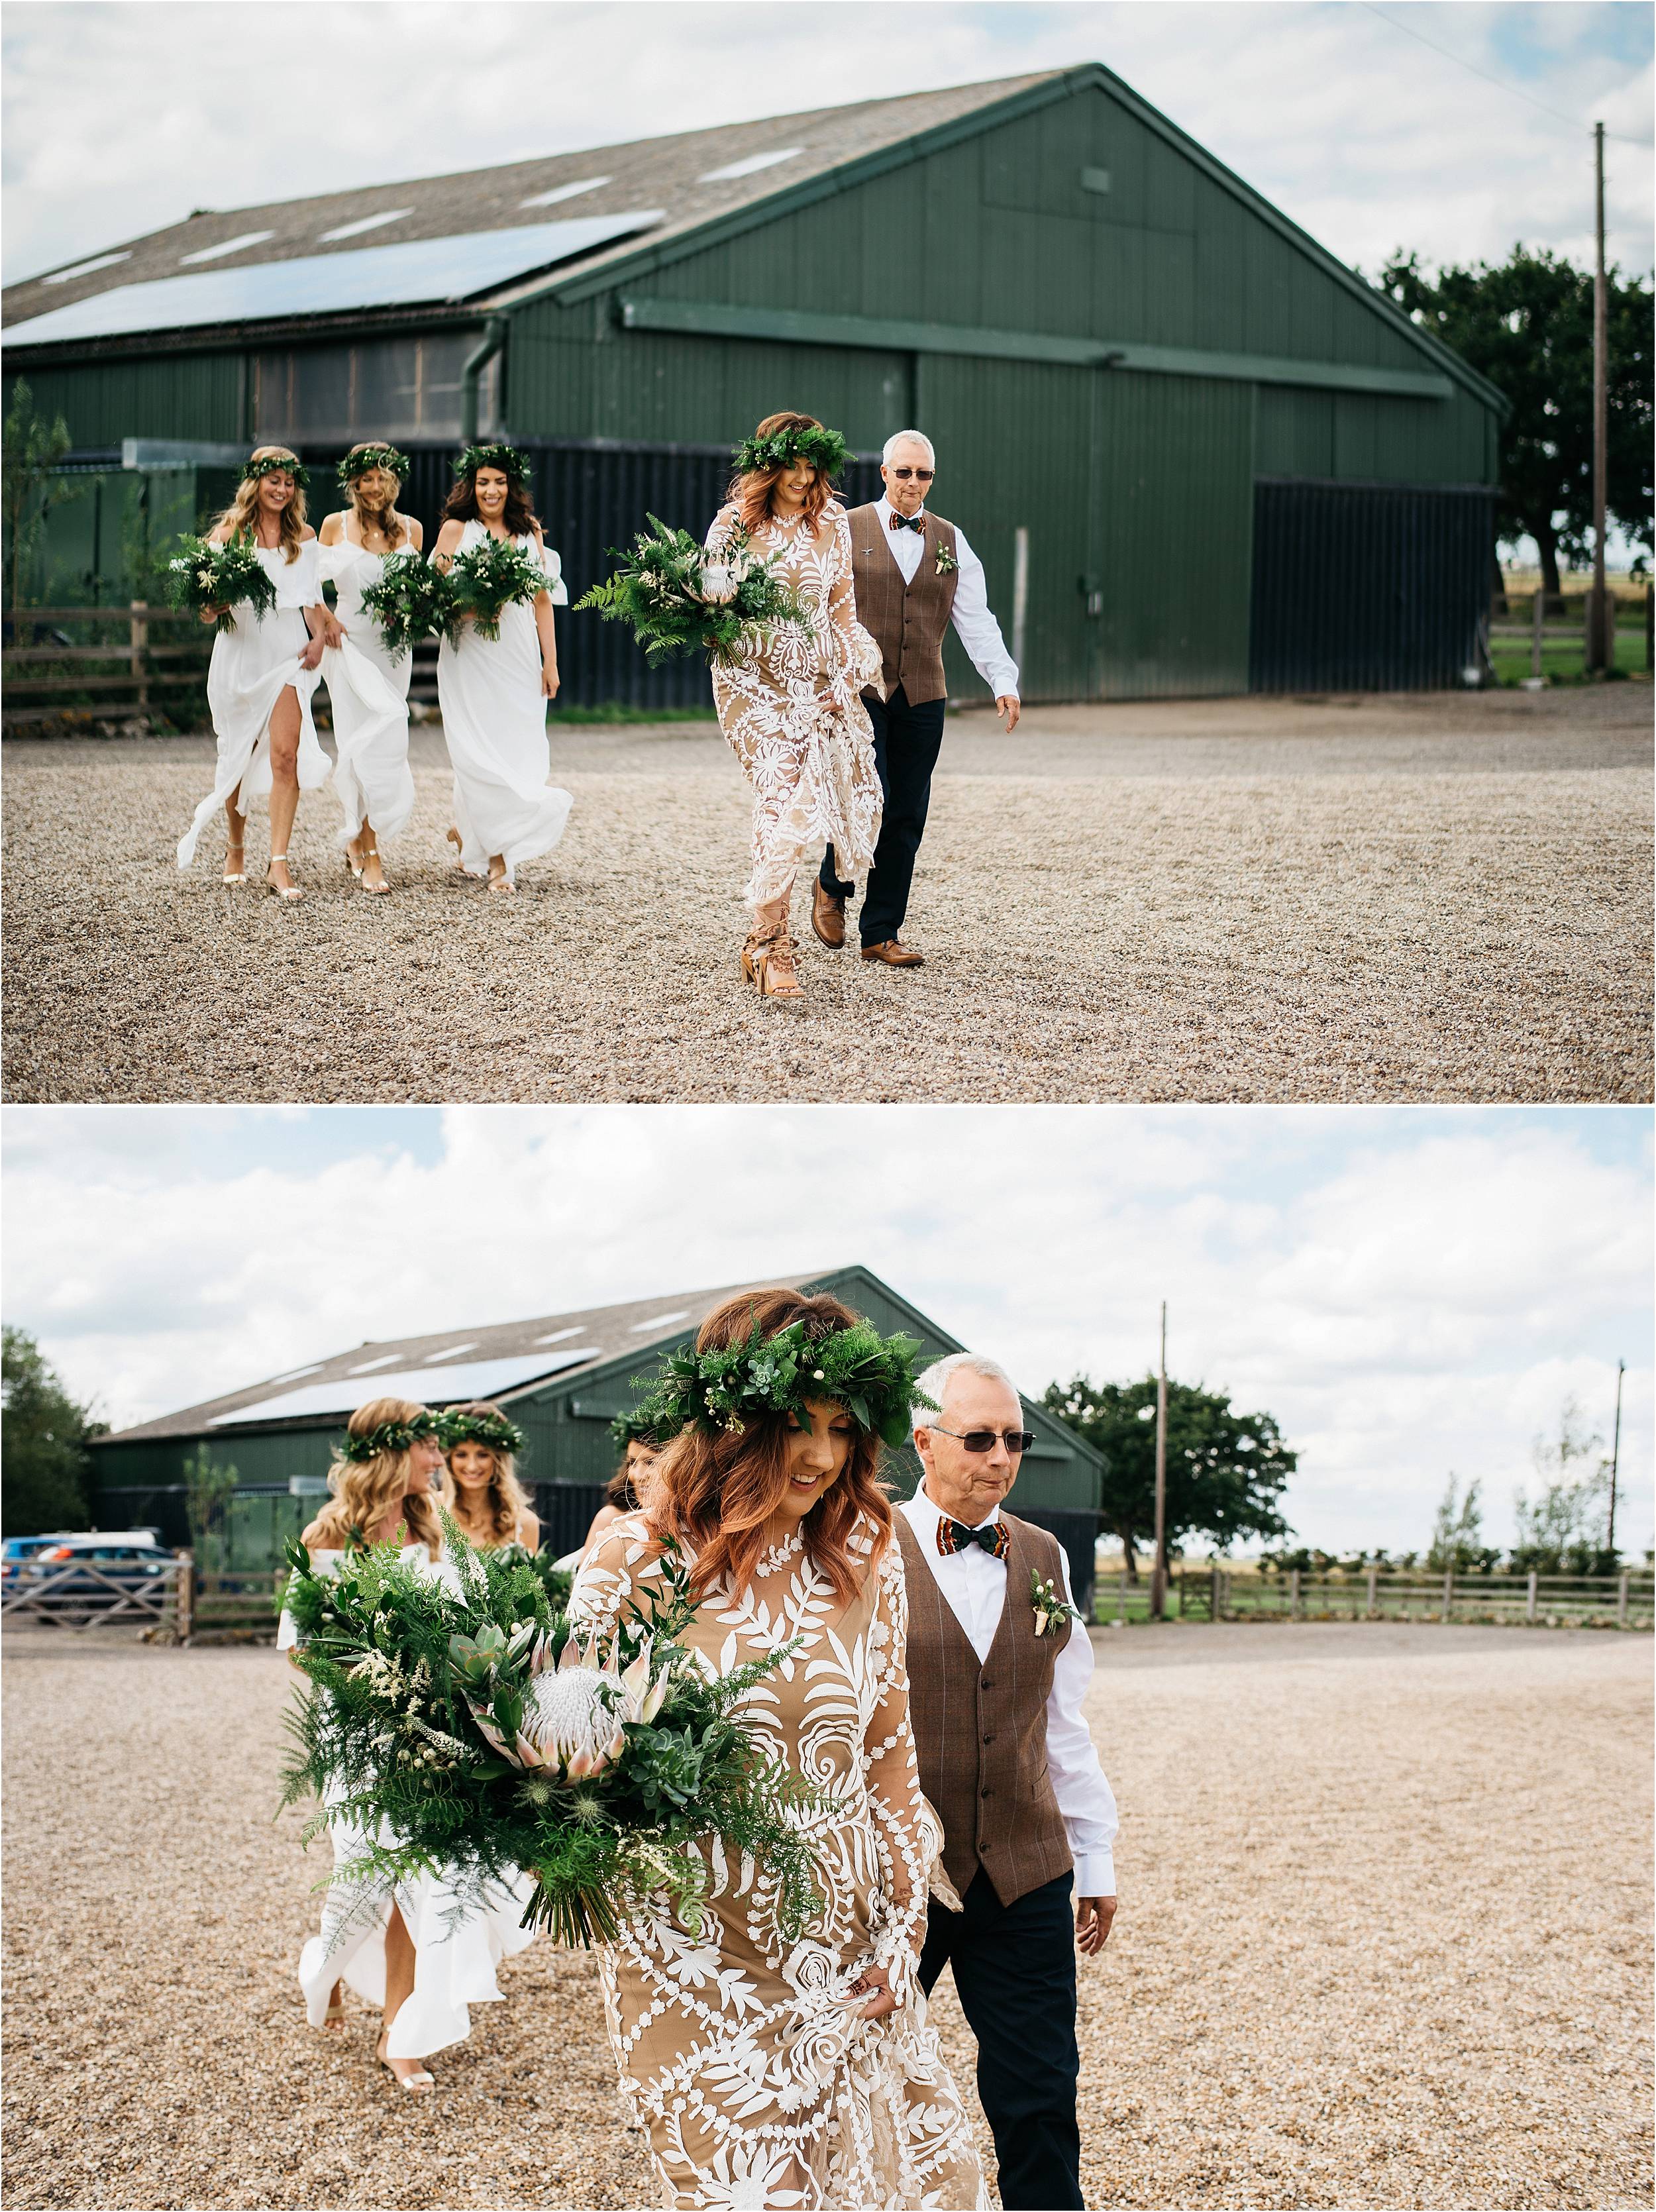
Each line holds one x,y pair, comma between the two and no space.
388,518
241,516
461,505
752,490
364,1491
508,1501
717,1493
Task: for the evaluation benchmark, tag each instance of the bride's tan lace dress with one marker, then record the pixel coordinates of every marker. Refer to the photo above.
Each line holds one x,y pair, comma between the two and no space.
813,773
758,2086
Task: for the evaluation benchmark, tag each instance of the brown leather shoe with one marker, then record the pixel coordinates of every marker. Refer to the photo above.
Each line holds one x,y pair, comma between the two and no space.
827,915
892,954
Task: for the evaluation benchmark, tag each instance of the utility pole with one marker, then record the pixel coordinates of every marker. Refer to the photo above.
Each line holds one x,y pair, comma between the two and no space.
1159,1571
1599,626
1614,1454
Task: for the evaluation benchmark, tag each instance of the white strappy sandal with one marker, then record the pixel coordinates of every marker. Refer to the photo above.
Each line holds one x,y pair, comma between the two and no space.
282,891
416,2084
382,889
230,847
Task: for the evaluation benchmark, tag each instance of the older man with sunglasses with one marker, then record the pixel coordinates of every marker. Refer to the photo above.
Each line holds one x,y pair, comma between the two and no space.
999,1667
913,574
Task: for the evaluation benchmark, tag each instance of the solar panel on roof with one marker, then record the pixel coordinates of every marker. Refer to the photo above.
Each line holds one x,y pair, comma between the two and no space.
418,270
426,1385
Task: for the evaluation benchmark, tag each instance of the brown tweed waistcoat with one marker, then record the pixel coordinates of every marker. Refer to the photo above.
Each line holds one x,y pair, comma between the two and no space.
980,1732
907,622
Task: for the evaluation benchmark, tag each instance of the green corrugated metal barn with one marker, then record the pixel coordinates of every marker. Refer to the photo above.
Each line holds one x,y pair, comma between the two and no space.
1196,452
564,1376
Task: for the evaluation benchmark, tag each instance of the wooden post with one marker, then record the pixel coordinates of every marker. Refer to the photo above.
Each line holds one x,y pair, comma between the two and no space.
183,1604
139,647
1374,1590
1213,1592
1293,1593
1448,1591
1529,1601
1159,1572
1121,1593
1537,625
1622,1603
1600,625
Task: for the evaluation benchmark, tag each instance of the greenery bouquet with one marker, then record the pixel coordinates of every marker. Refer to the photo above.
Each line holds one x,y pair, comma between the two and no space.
201,575
486,581
483,1732
410,602
679,595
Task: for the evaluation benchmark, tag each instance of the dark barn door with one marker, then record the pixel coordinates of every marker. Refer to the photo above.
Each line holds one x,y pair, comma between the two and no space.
1367,587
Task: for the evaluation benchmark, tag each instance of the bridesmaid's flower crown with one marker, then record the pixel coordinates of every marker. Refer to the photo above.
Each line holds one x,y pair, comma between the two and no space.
493,1430
270,464
633,1429
389,1437
515,465
825,450
373,456
764,1377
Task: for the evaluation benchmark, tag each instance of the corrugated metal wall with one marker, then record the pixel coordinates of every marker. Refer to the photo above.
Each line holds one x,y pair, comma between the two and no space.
1367,587
197,396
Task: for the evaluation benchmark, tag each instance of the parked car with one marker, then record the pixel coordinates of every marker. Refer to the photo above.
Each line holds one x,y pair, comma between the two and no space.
118,1560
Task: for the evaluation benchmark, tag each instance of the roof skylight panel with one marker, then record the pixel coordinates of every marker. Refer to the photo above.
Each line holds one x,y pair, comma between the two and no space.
363,222
427,1386
228,246
406,274
564,192
660,1320
86,268
751,166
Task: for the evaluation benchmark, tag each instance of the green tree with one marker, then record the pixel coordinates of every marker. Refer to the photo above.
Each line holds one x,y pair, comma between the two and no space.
1527,323
1226,1470
1562,1528
208,1490
1458,1531
44,1469
32,484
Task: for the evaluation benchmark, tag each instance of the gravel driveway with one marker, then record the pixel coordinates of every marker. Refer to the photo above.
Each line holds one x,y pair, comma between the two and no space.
1384,1941
1434,897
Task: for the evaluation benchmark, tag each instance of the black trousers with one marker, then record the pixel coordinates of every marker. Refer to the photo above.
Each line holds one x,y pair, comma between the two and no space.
906,741
1015,1971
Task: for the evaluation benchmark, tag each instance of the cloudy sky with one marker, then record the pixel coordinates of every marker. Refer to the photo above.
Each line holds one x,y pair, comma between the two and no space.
120,117
1407,1291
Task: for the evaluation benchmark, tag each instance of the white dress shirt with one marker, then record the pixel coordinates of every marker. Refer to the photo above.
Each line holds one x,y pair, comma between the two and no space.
974,1583
975,627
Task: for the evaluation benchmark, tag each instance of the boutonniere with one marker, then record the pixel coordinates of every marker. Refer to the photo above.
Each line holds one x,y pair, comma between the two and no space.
1053,1609
947,564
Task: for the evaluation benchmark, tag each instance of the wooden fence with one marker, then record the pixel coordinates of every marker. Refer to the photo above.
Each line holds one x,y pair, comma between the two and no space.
1625,1601
118,671
1549,638
81,1592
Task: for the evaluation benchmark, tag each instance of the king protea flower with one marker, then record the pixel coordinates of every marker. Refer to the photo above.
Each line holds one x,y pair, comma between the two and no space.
576,1711
718,584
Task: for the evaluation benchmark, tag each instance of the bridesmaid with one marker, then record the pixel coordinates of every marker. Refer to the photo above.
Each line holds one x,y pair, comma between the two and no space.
628,1488
370,719
481,1487
493,693
262,674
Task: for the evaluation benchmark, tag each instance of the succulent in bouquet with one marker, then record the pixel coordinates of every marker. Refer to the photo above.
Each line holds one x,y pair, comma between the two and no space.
460,1719
485,580
678,596
201,576
410,602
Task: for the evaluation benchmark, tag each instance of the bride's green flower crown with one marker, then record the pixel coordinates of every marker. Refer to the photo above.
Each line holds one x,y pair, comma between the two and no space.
373,456
493,1430
719,1392
825,450
272,464
389,1437
516,465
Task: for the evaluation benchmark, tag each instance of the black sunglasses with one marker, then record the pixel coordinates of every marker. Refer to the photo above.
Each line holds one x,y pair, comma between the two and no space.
925,476
983,1440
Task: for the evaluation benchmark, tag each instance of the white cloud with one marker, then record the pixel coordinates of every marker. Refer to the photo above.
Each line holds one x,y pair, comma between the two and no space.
121,117
1406,1293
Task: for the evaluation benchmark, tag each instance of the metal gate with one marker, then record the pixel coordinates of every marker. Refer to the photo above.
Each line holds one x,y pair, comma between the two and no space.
1369,587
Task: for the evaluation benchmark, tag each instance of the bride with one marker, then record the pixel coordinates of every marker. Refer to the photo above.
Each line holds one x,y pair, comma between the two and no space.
769,2072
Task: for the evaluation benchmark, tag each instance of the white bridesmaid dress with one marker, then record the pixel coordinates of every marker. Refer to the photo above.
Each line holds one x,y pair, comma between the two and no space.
369,692
494,720
253,663
456,1952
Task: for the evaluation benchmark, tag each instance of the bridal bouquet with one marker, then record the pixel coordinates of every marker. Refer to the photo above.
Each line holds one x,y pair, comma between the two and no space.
202,575
488,579
681,597
482,1732
410,602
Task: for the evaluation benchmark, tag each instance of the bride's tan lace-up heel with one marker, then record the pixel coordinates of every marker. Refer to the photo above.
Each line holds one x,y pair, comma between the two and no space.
768,963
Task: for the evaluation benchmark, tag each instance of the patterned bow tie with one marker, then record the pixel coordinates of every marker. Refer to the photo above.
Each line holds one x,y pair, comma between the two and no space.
916,522
955,1536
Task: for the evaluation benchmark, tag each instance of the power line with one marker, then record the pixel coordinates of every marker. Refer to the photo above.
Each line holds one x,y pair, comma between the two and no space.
1500,84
